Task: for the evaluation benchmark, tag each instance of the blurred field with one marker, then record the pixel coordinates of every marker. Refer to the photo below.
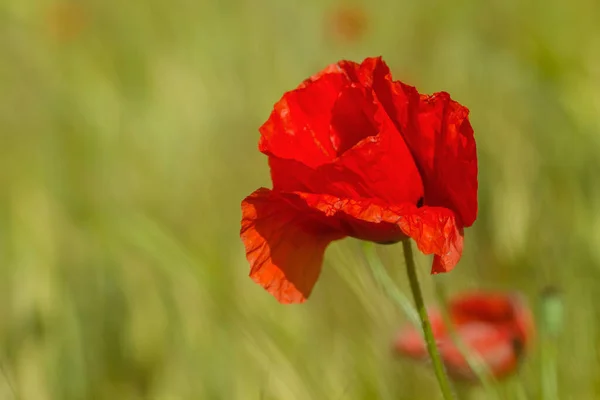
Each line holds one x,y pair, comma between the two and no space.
128,136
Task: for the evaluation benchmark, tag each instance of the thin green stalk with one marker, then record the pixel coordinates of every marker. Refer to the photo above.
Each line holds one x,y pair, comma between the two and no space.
551,327
438,366
549,370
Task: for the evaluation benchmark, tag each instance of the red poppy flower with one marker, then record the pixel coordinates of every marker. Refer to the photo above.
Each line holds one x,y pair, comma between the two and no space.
495,327
354,153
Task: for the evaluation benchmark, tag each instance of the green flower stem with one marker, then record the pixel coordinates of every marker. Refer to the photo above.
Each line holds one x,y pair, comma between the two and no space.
551,327
438,366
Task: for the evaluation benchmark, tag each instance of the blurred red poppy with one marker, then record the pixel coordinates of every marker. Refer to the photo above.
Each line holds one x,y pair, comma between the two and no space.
354,153
496,328
66,20
346,23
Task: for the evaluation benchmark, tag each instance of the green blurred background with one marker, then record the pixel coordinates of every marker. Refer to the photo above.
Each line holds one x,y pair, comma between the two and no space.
128,135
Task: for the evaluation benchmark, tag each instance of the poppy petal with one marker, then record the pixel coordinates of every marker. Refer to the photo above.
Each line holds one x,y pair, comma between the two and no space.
299,125
292,176
438,133
436,231
490,345
506,310
366,219
410,342
352,119
400,101
480,306
381,158
374,160
445,148
284,245
336,68
485,341
489,332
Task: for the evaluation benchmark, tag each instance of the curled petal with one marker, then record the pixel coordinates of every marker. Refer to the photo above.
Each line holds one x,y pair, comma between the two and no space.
446,153
284,245
286,234
299,125
436,231
366,219
438,133
350,120
331,69
372,160
381,160
395,180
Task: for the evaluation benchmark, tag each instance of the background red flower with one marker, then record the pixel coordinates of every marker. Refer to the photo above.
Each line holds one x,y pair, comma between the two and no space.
346,23
496,327
354,153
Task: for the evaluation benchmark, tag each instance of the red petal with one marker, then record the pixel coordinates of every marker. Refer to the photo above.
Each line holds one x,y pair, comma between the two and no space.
494,327
374,162
433,228
400,101
331,115
506,311
481,306
381,161
284,245
409,341
299,126
436,231
446,153
366,219
352,118
492,346
292,176
337,68
438,133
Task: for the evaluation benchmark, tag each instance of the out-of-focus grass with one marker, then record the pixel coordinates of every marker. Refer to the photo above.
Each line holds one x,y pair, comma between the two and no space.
128,137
